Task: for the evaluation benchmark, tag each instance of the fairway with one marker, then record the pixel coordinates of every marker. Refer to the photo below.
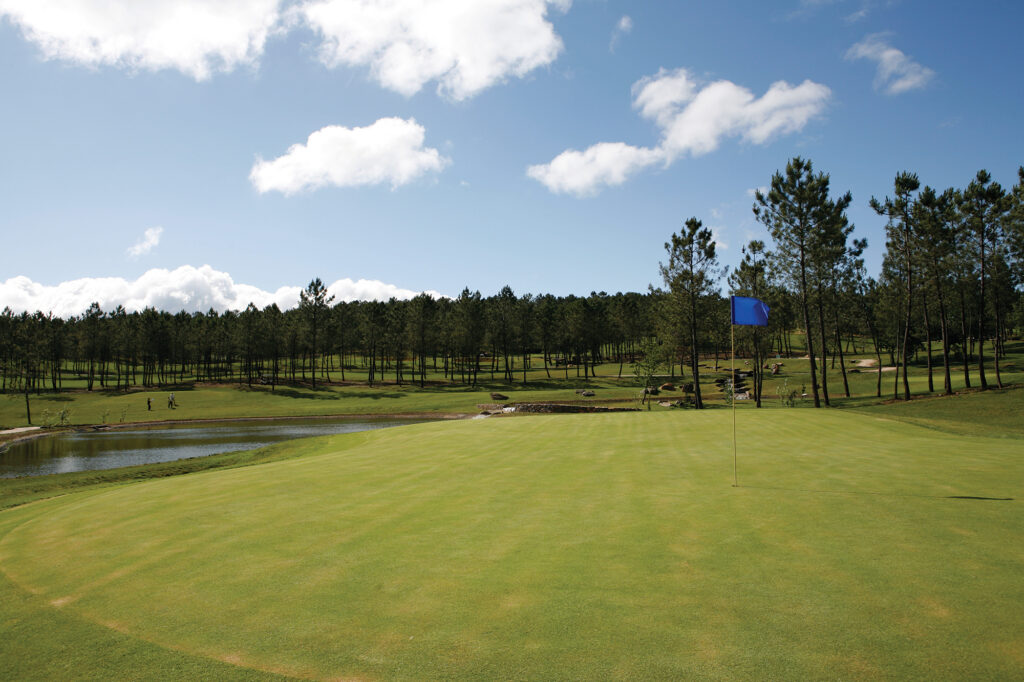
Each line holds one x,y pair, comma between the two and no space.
586,547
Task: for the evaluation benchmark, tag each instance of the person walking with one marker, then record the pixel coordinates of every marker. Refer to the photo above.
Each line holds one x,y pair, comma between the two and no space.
149,404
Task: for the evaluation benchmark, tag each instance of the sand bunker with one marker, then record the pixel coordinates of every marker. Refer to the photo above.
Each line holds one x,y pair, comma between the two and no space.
870,363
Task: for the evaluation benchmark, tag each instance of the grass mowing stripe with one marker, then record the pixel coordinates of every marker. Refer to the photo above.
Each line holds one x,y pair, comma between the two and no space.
576,546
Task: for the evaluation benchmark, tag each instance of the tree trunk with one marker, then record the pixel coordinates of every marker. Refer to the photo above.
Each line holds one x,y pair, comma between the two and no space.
824,346
995,340
963,338
28,407
906,338
842,360
981,321
807,328
698,402
947,383
928,339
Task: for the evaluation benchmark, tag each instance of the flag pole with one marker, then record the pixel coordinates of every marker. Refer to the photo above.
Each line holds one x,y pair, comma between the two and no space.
735,471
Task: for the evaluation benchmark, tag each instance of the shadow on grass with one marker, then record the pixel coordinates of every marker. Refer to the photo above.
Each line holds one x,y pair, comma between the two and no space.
974,497
331,395
870,492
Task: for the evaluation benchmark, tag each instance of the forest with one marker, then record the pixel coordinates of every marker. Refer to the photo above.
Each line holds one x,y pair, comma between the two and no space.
949,293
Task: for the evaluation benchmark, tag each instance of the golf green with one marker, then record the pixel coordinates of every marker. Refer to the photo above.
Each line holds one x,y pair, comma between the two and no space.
590,546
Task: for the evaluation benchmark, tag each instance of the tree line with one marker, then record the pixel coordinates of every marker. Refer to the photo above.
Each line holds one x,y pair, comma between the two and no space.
949,288
950,283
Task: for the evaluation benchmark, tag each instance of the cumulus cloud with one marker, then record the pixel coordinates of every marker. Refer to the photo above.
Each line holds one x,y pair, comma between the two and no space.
388,151
694,118
196,37
149,241
897,73
464,46
185,288
601,165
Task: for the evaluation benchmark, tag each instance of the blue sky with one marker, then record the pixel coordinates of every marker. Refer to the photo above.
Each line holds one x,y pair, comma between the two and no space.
550,146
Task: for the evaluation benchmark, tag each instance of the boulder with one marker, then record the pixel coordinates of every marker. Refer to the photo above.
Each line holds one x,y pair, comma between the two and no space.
668,387
587,394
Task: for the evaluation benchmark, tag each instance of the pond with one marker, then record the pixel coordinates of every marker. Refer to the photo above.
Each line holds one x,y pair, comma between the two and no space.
112,448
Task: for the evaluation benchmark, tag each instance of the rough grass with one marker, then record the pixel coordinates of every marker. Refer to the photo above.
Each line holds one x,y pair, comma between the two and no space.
995,413
232,401
223,402
590,546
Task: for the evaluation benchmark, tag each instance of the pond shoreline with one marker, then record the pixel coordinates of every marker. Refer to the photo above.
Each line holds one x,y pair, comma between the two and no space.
45,431
113,446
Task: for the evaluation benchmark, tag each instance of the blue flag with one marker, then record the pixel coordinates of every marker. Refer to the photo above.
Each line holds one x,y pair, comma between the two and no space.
750,311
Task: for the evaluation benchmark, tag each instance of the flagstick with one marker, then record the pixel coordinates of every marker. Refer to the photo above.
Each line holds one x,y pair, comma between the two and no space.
735,471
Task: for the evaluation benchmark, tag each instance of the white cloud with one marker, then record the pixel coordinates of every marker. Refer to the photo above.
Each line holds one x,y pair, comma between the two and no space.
185,288
716,235
693,119
196,37
858,15
149,241
897,73
623,27
585,173
464,46
388,151
752,192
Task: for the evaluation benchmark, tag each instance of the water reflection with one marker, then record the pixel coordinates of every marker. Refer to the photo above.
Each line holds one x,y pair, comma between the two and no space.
93,450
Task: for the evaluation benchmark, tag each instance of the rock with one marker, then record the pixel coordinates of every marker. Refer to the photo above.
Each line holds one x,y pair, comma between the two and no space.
498,396
650,390
665,403
668,387
587,394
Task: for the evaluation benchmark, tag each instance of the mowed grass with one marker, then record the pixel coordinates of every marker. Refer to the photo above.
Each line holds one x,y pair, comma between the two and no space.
583,546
